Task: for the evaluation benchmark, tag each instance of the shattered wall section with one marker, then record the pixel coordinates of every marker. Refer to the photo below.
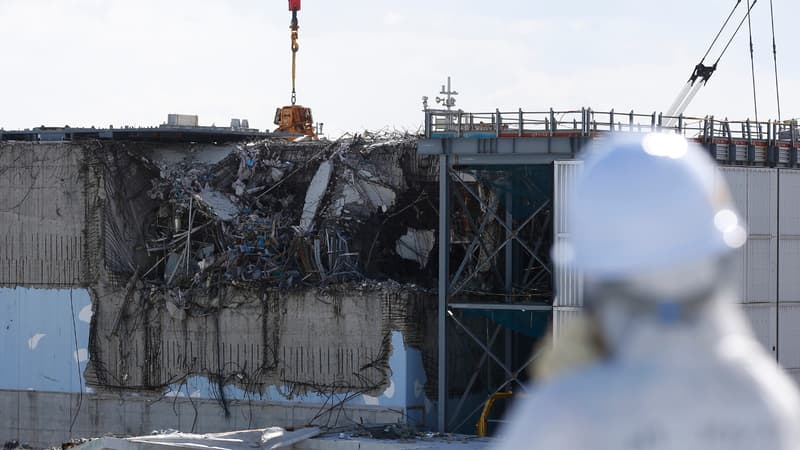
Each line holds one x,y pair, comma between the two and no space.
334,340
44,241
124,181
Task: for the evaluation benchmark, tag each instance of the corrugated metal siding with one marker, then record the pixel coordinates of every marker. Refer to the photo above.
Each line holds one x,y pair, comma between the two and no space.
564,176
763,320
568,282
789,339
789,243
736,178
755,193
740,273
790,202
761,260
762,205
789,269
737,183
562,316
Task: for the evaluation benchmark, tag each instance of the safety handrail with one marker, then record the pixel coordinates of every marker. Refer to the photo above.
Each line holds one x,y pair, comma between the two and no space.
587,122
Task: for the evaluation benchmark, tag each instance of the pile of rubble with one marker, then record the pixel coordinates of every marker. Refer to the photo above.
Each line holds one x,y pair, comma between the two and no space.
283,215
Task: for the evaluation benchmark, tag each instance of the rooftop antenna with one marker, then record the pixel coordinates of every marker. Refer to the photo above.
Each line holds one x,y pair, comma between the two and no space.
449,101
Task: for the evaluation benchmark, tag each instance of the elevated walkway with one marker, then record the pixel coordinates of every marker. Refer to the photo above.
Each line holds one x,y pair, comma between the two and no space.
531,137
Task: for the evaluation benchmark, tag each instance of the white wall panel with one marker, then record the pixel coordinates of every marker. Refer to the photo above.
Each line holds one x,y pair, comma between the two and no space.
562,318
789,335
762,202
564,175
740,273
789,269
789,202
761,269
568,282
754,191
736,177
763,321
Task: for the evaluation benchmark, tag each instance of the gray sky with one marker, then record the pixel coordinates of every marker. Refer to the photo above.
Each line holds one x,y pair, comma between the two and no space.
366,64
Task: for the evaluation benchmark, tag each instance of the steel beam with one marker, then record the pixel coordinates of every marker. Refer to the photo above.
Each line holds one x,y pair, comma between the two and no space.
475,375
444,276
484,347
503,306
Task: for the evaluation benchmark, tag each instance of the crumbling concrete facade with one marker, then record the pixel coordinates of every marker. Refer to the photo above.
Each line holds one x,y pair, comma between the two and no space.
258,280
42,216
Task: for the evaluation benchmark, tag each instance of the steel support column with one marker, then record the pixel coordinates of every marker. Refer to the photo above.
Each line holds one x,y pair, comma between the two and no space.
444,276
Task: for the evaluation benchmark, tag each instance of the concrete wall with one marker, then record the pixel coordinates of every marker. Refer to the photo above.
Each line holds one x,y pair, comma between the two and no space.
42,215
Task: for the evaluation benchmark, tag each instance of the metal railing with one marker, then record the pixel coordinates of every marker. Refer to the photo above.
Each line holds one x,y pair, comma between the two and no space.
587,122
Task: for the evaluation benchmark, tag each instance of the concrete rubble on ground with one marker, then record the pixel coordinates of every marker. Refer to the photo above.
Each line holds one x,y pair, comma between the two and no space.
388,437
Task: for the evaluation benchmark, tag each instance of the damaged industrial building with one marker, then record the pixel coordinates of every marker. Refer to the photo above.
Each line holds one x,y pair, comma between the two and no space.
157,284
211,287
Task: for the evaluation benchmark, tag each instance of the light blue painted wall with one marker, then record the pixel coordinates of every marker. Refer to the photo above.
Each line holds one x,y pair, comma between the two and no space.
38,330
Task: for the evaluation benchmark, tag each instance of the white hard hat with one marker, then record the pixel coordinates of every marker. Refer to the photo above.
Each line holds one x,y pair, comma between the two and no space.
646,204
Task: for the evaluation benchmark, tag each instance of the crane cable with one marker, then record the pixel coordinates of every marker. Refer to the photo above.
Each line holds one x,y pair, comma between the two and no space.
775,59
295,47
750,8
722,28
752,61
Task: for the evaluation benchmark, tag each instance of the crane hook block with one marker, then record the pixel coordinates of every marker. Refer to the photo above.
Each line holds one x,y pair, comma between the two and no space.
294,5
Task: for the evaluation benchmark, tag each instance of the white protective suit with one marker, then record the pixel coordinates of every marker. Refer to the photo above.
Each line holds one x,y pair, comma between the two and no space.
705,385
679,368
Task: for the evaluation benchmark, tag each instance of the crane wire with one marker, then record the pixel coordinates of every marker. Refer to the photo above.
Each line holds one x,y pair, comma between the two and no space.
719,33
775,59
750,8
752,62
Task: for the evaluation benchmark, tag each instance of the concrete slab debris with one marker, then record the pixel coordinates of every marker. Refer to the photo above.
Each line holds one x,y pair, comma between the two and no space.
314,194
263,439
219,204
274,438
416,245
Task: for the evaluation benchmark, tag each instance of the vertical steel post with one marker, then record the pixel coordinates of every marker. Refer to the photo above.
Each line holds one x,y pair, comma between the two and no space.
444,279
428,123
793,137
509,262
611,120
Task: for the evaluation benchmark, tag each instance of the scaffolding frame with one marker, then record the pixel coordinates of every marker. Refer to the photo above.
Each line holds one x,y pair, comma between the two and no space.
505,250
